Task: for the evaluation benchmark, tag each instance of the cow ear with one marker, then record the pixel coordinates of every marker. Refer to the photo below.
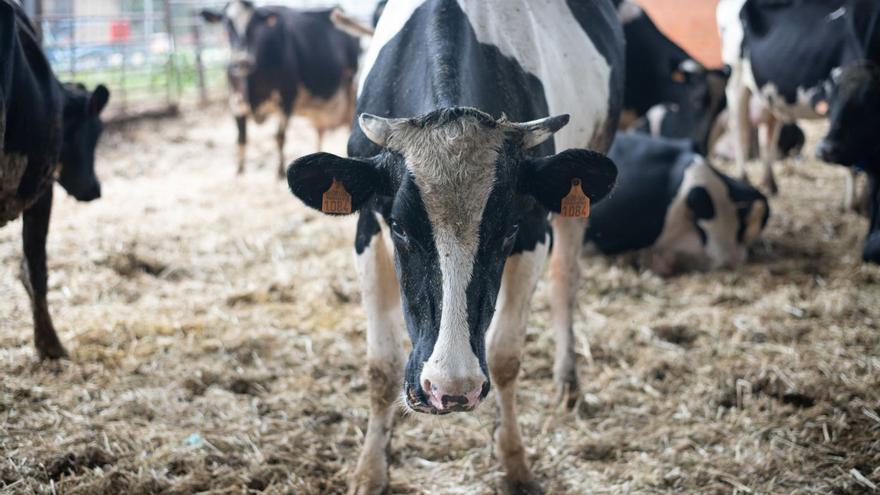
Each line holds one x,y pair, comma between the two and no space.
98,100
310,177
549,179
700,203
211,16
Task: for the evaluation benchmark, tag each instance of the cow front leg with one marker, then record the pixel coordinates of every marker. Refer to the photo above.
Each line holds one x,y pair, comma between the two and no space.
568,237
768,140
385,356
505,342
279,141
35,229
241,125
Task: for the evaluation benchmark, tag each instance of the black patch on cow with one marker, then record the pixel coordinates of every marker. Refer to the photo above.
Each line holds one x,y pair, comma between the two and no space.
700,203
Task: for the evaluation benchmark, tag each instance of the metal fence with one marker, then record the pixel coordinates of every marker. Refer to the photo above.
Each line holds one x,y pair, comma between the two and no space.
152,54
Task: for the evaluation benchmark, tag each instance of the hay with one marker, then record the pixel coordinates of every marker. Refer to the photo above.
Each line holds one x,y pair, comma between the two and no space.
217,343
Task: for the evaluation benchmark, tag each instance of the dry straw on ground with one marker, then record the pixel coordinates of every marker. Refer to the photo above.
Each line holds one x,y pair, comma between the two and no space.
217,347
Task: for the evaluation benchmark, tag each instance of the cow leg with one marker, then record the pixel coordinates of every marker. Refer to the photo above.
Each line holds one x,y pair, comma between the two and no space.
35,229
385,356
279,140
768,140
505,341
738,96
241,124
568,237
849,195
321,138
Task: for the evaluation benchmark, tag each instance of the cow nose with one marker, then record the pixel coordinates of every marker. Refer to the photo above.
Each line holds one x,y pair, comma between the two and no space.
91,194
826,151
461,394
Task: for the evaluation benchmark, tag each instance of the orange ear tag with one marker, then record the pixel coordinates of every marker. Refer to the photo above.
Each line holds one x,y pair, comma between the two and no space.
576,204
336,200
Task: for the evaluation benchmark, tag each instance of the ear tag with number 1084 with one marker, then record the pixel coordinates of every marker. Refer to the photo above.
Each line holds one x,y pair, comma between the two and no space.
336,200
575,204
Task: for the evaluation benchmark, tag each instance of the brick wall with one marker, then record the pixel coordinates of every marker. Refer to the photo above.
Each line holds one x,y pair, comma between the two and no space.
691,24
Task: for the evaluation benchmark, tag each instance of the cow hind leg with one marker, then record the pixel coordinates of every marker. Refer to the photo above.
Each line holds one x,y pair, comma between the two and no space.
505,341
738,96
568,235
35,229
279,141
768,140
385,356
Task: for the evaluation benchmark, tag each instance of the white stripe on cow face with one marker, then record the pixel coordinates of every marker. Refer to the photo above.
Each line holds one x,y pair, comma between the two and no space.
240,15
453,164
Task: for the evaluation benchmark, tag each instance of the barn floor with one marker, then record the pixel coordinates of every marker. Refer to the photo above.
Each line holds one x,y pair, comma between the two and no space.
217,345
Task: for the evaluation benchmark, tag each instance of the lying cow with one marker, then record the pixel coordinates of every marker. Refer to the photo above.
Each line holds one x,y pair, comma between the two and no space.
457,161
44,125
785,51
287,62
658,71
674,208
854,115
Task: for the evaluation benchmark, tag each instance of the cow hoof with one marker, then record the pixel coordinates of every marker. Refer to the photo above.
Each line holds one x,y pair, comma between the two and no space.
520,487
567,392
51,350
771,187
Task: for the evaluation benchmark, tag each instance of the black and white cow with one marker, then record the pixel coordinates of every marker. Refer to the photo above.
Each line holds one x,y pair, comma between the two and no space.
455,154
287,62
658,71
854,137
43,125
785,51
673,208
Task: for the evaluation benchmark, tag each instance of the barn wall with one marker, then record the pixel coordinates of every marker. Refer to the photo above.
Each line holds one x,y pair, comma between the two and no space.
691,24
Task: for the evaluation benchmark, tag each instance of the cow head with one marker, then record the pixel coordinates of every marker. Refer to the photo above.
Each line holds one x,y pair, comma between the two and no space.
458,182
245,25
82,128
853,110
720,218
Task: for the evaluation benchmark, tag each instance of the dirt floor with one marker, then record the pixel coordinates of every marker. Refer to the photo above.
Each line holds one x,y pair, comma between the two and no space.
217,345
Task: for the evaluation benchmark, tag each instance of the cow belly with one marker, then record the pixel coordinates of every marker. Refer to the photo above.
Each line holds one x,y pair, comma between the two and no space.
770,95
12,169
326,114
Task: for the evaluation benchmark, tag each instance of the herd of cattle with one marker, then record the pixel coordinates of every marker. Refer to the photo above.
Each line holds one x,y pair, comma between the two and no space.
484,131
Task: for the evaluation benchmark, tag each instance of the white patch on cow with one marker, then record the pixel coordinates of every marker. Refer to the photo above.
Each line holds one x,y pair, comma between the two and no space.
731,30
837,14
679,244
655,117
12,167
546,40
628,11
240,16
453,165
691,66
237,104
326,114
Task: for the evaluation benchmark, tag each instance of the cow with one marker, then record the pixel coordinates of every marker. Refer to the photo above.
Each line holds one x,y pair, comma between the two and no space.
674,209
785,52
660,72
287,62
460,162
853,139
44,126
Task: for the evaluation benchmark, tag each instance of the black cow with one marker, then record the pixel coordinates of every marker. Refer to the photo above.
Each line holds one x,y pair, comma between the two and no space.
287,62
854,137
455,156
785,51
659,71
675,209
43,125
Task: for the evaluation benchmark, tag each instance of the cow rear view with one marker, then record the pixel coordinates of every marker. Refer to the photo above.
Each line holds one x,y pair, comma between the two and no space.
287,62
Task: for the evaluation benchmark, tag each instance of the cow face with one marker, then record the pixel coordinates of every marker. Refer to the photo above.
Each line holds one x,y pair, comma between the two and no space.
854,114
712,223
245,26
458,182
82,128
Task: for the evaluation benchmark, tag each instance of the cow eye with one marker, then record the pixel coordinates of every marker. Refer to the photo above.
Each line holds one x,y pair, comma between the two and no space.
397,232
510,236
